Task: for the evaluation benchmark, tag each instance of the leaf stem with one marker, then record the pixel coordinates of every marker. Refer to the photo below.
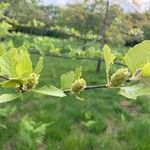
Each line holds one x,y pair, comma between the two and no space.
5,78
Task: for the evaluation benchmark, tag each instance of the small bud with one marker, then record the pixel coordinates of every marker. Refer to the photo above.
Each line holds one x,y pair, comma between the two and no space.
78,85
29,84
119,77
32,81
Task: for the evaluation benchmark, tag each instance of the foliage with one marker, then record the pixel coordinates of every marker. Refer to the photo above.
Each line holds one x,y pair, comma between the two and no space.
30,133
72,81
134,36
74,125
52,91
8,97
109,59
25,10
138,56
16,65
67,131
4,25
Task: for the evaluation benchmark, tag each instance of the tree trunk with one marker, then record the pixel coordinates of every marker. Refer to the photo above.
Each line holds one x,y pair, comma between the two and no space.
102,34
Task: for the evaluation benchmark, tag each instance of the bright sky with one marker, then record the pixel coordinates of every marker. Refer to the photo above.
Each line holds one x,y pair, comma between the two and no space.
125,4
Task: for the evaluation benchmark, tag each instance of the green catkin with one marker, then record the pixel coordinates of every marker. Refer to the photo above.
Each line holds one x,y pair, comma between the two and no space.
32,81
119,77
78,85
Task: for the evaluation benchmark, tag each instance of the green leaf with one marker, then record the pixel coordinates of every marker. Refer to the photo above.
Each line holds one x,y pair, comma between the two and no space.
146,70
138,56
67,79
78,73
24,64
16,63
51,91
8,97
8,63
134,91
2,49
109,59
12,83
39,66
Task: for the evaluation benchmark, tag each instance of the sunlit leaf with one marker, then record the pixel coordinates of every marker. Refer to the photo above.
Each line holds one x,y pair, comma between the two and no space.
12,83
16,63
2,49
8,63
39,66
109,59
134,91
8,97
138,56
67,79
51,91
146,70
78,73
24,65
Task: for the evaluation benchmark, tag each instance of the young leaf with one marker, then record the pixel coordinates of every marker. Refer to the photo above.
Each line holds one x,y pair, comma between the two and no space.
2,49
134,91
24,64
39,66
8,63
67,79
109,59
12,83
138,56
78,73
8,97
16,63
51,91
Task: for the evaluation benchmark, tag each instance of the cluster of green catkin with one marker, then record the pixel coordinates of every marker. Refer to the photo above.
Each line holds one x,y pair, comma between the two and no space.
78,85
119,77
31,83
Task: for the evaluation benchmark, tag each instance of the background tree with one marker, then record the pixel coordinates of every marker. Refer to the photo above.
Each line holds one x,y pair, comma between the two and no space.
25,10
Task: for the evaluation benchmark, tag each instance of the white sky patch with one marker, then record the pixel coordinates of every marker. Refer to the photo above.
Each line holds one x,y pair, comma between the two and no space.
127,5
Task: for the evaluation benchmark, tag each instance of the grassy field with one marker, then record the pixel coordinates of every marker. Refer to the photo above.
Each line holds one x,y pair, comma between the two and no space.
104,121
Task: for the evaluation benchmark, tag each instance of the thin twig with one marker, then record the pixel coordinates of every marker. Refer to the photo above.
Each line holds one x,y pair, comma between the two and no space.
5,78
76,58
91,87
96,87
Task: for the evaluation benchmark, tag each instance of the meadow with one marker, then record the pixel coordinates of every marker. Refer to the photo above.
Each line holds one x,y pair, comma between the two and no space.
103,121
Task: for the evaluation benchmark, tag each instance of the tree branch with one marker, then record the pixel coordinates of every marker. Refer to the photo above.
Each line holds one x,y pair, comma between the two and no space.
5,78
95,87
91,87
77,58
